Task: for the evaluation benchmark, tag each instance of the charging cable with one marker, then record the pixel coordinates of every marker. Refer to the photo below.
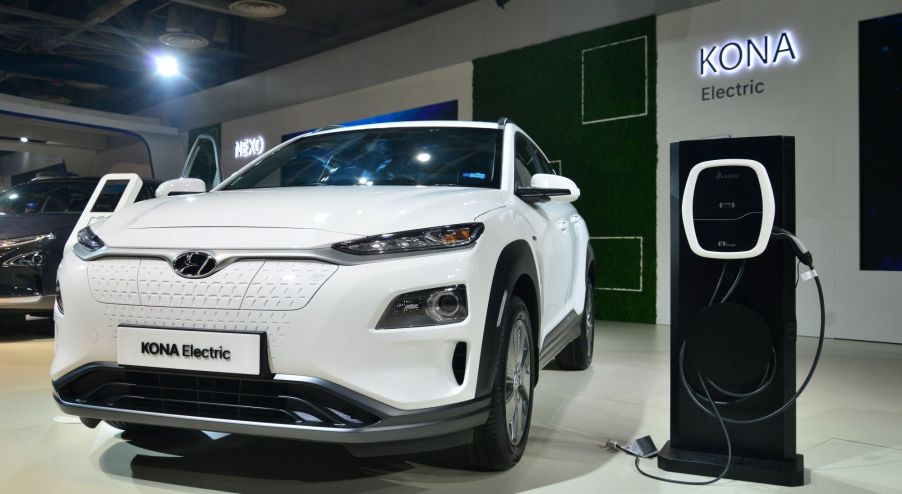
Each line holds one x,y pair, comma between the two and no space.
804,257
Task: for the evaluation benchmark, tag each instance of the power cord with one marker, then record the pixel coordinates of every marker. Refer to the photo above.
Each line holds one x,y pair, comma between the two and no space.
804,257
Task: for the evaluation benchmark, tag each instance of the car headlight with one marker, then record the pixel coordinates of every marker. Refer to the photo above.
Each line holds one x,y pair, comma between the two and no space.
88,239
431,307
18,242
439,237
33,259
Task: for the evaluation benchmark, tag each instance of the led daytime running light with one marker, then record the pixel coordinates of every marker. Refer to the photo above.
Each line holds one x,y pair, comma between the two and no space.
441,237
89,240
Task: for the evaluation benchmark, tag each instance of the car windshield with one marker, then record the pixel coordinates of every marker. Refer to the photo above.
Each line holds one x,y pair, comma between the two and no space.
47,197
450,156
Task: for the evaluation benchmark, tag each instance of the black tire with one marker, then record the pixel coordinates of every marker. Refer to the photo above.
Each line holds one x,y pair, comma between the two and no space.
493,448
578,354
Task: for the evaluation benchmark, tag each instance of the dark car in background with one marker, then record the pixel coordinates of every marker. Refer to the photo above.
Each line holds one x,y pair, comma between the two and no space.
36,219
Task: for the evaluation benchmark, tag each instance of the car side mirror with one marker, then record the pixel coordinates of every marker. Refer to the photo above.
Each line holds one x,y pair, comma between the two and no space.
546,187
180,186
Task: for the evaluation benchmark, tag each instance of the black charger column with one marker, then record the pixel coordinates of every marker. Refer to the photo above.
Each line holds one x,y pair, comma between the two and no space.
763,452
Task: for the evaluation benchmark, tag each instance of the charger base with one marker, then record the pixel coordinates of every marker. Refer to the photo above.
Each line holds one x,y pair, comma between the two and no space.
790,473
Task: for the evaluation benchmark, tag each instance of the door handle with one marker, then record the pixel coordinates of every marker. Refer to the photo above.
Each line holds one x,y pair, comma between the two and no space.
562,225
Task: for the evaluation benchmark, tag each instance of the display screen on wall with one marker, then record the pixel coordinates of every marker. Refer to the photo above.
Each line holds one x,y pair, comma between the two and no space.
440,111
880,127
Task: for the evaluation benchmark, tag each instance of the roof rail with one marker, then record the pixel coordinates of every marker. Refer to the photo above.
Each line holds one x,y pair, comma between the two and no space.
327,127
503,121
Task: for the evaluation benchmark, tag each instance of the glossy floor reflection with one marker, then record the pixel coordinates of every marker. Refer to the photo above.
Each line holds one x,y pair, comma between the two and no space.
850,430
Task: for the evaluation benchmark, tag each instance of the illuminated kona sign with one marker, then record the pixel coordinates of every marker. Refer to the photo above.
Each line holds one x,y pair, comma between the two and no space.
737,55
249,146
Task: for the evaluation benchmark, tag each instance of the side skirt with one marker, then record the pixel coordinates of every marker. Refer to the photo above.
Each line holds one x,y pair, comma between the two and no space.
559,337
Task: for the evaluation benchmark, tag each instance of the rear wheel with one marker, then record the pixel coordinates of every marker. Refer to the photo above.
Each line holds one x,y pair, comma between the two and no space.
578,354
500,442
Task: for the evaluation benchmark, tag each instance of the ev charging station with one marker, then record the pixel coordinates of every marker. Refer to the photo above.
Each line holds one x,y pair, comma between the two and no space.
733,340
733,322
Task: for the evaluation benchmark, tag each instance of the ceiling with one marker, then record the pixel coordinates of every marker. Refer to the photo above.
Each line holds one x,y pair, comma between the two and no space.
98,54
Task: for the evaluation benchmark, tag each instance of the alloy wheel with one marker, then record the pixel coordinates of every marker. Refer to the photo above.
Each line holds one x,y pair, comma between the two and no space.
518,382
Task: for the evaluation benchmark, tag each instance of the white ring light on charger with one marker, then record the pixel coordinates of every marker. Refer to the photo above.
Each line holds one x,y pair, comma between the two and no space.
767,203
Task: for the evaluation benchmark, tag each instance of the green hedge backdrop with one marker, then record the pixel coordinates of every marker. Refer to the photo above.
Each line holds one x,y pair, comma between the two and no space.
589,101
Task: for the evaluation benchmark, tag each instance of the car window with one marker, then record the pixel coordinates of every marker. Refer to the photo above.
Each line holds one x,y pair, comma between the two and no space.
543,163
47,197
525,162
448,156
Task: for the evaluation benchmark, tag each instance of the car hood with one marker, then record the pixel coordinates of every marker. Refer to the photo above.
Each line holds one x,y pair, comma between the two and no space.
29,225
293,217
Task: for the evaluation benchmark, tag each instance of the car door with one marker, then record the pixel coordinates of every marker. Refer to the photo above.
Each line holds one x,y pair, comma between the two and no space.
203,161
567,212
552,226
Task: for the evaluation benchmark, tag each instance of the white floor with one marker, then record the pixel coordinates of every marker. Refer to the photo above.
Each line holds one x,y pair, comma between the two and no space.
850,430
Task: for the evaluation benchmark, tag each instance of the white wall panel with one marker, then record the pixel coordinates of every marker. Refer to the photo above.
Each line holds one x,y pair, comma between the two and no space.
815,100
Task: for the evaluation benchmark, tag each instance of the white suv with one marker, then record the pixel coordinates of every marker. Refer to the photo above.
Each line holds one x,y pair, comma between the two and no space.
392,287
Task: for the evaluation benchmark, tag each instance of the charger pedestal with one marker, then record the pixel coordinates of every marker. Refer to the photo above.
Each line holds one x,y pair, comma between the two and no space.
762,452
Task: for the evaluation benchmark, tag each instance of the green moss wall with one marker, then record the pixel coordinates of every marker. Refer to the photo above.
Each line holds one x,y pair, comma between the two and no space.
589,101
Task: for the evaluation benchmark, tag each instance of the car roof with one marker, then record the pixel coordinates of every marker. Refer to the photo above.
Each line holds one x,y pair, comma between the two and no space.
393,125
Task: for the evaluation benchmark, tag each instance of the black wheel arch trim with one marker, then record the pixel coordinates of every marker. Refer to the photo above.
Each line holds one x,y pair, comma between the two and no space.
515,261
591,267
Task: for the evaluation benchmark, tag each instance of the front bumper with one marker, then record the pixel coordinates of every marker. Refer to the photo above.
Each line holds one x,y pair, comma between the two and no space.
300,408
331,336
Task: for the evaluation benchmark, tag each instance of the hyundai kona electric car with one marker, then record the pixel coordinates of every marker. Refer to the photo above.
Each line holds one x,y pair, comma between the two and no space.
392,288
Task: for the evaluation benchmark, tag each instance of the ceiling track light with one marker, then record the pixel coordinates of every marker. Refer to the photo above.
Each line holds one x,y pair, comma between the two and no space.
221,31
173,20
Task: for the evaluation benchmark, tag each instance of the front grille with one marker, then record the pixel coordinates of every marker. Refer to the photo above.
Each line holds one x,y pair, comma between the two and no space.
255,285
233,398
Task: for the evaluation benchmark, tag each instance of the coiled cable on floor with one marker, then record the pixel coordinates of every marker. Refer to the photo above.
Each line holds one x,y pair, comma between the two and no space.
804,257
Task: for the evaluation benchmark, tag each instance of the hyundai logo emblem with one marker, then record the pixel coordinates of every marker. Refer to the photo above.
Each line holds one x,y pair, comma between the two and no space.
194,264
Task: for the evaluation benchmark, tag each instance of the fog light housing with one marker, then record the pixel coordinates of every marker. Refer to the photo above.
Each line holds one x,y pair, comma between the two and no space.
433,307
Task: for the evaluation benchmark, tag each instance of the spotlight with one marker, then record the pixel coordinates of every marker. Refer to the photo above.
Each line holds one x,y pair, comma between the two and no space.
424,157
167,65
23,139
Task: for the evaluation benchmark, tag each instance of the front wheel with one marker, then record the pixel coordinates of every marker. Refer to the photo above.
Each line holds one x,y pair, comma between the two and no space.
578,354
500,442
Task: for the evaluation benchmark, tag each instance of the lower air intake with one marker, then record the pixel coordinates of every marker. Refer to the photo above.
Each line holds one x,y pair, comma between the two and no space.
234,398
